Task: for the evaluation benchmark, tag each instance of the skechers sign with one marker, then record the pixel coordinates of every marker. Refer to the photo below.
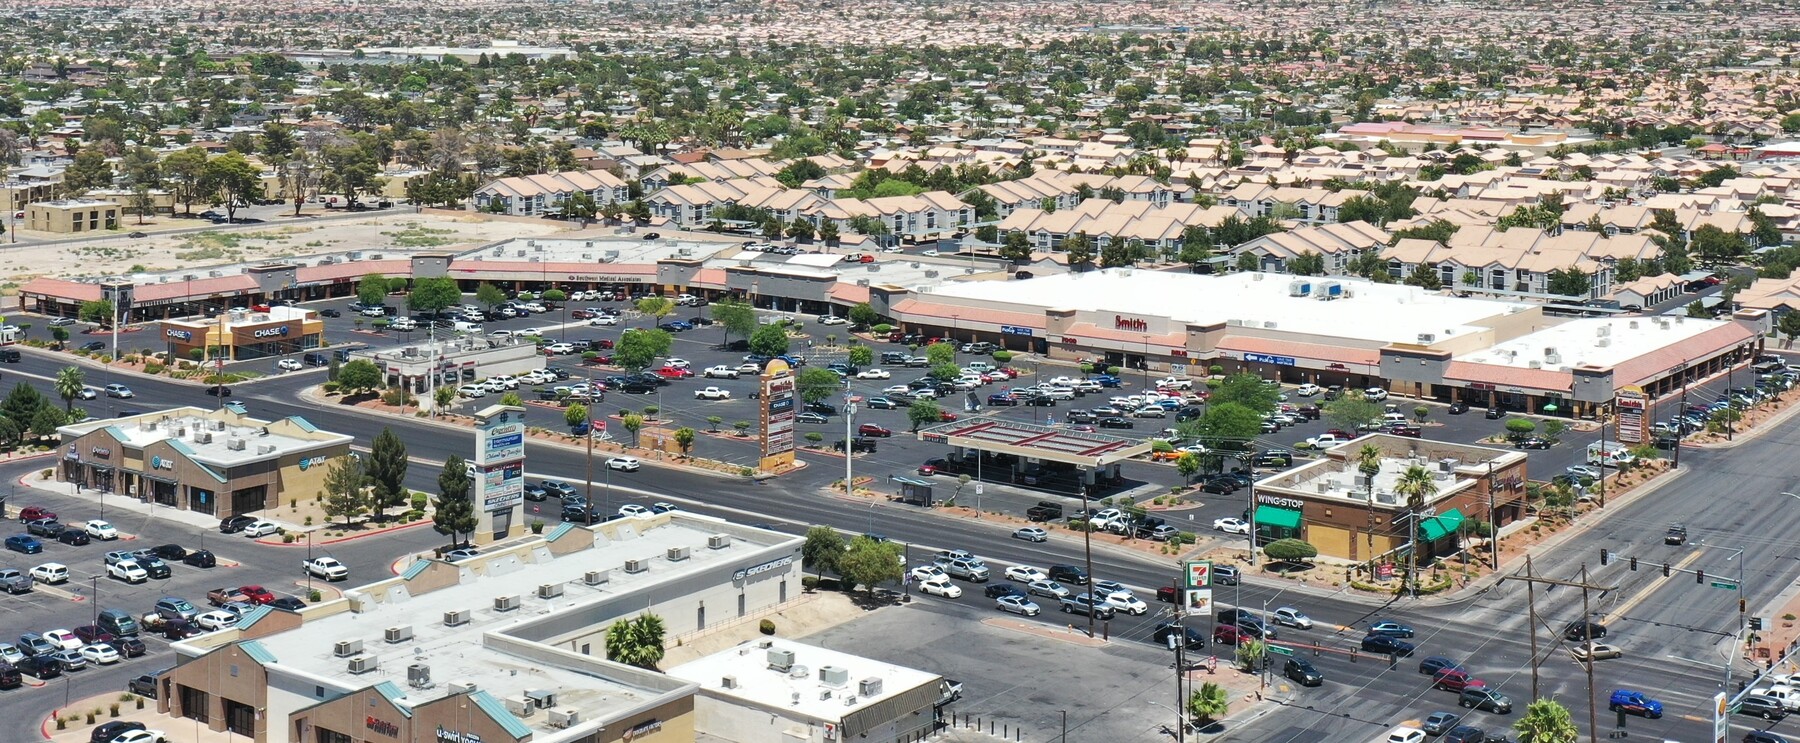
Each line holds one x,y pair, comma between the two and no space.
779,562
271,332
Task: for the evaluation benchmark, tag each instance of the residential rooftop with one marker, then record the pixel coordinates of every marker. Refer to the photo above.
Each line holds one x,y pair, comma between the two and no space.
626,248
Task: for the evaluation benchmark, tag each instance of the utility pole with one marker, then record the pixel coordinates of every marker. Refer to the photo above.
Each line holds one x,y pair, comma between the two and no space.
1531,580
1087,549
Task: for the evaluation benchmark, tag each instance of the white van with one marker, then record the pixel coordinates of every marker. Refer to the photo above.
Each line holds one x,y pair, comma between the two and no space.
465,326
1393,418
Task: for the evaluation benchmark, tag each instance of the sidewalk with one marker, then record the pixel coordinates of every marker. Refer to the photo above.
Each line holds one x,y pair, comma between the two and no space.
111,504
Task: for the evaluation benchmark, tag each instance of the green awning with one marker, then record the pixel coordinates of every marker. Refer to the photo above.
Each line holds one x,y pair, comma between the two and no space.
1267,515
1437,527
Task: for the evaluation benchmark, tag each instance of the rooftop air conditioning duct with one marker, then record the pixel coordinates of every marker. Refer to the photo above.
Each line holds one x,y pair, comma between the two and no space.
456,618
541,698
520,706
399,633
868,687
506,603
718,541
418,676
677,554
636,566
564,718
462,687
728,682
363,664
834,675
347,648
780,660
595,577
550,590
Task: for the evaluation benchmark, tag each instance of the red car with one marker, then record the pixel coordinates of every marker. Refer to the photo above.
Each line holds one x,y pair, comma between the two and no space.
673,372
602,343
259,308
256,594
895,336
583,314
33,513
602,359
946,416
870,429
1455,679
1340,433
930,467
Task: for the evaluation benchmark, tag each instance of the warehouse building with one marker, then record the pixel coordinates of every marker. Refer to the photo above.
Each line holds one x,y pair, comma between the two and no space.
217,462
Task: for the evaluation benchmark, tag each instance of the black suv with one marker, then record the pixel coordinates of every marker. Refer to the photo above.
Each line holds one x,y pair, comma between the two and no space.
862,444
1068,574
1192,638
1044,511
1677,535
1757,705
235,524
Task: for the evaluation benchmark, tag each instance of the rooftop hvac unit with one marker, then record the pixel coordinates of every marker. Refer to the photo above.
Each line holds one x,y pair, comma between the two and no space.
834,675
729,682
1603,331
1427,338
399,633
1534,364
364,664
868,687
519,706
850,701
462,687
212,274
1448,464
1553,359
718,541
265,449
347,648
1268,324
595,577
234,444
356,255
565,717
780,660
1603,342
218,425
1387,499
550,590
506,603
677,554
541,698
636,566
456,618
418,676
1299,288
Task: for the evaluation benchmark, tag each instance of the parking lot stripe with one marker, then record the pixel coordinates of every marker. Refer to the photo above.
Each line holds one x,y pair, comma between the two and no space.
60,593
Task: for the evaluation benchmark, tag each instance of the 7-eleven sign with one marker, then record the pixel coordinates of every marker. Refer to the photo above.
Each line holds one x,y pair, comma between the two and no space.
1198,573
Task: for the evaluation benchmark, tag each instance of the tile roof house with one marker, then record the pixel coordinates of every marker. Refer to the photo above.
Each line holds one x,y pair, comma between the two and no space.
530,195
1337,243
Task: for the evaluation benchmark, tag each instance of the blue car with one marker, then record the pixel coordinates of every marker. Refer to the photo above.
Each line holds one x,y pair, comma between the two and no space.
1391,629
1108,380
1634,702
24,543
1386,645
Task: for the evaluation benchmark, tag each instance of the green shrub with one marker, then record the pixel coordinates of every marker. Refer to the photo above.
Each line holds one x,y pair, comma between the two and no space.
537,526
419,500
153,368
1003,356
882,329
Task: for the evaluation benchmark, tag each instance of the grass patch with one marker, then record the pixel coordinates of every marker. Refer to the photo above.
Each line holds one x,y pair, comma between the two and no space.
415,236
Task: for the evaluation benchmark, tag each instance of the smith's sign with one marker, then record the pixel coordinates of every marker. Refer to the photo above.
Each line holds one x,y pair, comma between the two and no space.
1134,324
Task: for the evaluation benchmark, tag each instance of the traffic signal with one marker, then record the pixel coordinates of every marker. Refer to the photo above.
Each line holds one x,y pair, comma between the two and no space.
1756,623
1634,564
1741,609
1699,576
1665,570
1605,556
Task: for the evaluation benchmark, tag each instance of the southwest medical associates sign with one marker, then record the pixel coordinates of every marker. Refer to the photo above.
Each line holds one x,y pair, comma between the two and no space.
500,457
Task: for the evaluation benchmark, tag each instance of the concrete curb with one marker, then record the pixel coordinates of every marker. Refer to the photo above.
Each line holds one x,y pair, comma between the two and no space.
317,543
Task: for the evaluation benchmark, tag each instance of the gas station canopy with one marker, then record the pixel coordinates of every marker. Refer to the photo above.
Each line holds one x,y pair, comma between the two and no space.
1084,450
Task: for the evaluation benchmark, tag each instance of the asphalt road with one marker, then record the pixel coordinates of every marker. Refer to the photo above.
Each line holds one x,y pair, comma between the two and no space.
1730,499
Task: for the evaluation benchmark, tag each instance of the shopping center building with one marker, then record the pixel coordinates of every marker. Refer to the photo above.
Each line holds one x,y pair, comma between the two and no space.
510,646
1331,331
217,462
243,334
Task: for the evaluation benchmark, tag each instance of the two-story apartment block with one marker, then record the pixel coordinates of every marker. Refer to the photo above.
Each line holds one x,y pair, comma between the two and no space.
1104,221
1338,243
532,195
1520,259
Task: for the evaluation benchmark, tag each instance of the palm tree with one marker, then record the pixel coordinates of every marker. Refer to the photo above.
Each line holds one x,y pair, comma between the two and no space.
1417,486
70,381
636,642
1368,462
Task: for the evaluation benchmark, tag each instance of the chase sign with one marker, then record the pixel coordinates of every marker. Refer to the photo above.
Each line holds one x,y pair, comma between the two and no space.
271,332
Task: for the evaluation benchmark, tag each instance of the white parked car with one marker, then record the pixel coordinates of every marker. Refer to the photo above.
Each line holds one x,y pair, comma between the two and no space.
404,324
873,374
1175,383
100,654
940,586
63,638
624,464
1375,393
100,530
633,510
141,736
1025,574
216,620
471,390
677,363
1292,617
1308,390
897,389
50,573
749,367
924,573
558,349
1232,525
832,320
604,320
712,393
720,372
261,528
289,365
128,571
1325,441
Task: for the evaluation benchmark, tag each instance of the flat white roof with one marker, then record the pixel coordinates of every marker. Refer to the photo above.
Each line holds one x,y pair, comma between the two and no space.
460,653
1384,313
234,318
1603,342
208,438
799,688
628,249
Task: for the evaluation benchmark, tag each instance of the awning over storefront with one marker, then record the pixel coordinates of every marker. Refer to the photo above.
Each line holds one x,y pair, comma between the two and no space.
1267,515
1441,525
